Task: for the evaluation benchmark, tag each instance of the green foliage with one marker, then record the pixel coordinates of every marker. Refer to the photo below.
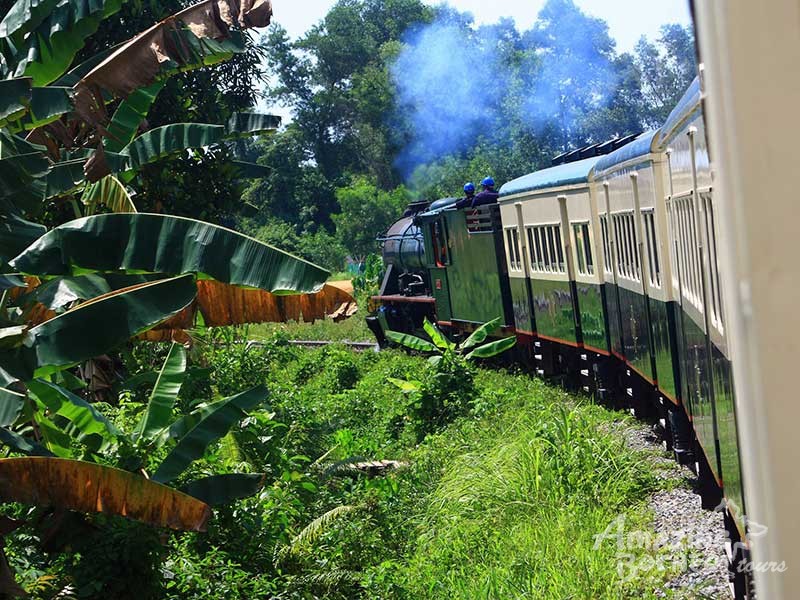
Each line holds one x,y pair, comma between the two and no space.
320,247
365,213
448,388
369,281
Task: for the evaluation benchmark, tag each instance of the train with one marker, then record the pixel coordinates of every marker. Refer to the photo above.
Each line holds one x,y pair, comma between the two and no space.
606,267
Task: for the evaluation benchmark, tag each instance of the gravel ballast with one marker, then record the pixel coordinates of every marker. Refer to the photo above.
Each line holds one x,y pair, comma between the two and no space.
691,540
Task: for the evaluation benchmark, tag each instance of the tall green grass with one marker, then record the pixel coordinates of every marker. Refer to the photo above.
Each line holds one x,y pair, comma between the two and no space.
515,511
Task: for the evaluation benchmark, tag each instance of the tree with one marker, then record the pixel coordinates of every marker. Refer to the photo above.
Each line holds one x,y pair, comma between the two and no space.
576,73
336,81
294,189
366,213
667,69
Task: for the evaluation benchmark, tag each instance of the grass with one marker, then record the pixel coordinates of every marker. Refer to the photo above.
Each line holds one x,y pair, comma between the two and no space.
522,493
351,330
503,503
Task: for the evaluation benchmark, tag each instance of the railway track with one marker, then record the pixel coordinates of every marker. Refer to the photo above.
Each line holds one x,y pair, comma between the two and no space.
357,346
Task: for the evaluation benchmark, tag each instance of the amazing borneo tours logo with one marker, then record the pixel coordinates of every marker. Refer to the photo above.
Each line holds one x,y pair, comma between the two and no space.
641,553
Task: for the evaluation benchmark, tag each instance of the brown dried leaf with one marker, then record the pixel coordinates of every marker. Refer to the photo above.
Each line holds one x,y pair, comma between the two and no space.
90,488
137,63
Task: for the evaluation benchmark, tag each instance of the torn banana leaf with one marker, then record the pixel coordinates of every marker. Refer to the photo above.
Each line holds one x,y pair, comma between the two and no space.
147,243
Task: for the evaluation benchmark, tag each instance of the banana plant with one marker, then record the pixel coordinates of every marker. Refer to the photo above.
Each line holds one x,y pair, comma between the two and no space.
66,421
58,108
473,348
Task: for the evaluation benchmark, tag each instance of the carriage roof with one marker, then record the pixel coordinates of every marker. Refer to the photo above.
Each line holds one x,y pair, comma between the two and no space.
574,173
642,146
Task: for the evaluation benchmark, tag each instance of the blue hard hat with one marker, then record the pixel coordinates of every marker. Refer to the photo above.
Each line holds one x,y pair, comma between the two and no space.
488,182
469,188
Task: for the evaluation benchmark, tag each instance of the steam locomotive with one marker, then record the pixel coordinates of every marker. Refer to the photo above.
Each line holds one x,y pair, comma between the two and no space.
605,267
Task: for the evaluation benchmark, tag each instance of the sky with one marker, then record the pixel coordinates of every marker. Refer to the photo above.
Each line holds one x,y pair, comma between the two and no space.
628,20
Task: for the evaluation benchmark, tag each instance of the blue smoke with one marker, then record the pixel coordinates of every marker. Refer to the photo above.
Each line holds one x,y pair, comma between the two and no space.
451,82
457,84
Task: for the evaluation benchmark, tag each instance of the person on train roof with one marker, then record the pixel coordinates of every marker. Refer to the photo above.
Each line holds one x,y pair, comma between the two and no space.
469,196
488,195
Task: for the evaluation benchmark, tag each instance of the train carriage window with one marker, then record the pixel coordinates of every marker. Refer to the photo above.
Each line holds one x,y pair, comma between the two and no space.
683,236
561,267
626,242
547,251
689,249
618,243
578,235
583,248
626,249
630,240
514,255
546,259
649,219
587,245
551,247
628,260
671,241
532,249
713,259
606,245
695,248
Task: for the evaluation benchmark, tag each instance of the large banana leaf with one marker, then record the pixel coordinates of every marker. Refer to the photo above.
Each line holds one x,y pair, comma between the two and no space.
23,445
223,489
410,341
15,96
129,115
13,145
146,243
11,404
16,234
102,324
223,305
244,124
108,192
47,104
18,172
54,439
85,419
48,38
202,34
57,294
164,394
216,425
481,333
437,337
90,488
65,177
188,422
493,349
170,139
10,281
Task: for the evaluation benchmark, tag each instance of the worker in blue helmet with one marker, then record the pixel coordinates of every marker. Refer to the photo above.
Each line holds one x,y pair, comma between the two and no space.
487,194
469,196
